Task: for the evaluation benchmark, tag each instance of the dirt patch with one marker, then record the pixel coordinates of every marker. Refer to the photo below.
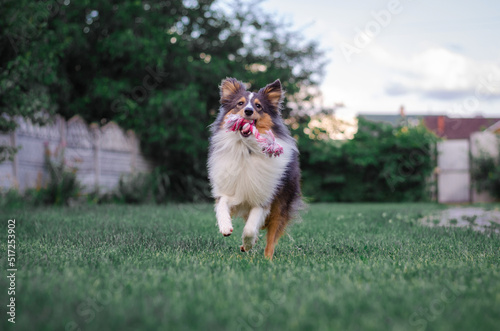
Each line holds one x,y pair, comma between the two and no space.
475,218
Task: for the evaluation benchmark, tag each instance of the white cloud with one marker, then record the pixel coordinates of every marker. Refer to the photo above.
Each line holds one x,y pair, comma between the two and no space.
438,73
428,59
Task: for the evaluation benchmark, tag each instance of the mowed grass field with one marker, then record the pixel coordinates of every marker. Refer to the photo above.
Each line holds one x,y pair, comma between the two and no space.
344,267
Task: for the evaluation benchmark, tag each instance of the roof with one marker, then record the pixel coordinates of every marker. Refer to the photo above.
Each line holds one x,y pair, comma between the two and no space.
390,119
495,128
458,128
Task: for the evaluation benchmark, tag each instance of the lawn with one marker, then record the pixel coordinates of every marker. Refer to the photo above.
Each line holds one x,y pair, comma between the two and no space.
344,267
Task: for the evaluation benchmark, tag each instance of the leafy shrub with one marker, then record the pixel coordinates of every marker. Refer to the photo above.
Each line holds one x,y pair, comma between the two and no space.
134,188
12,199
381,163
158,187
485,173
62,184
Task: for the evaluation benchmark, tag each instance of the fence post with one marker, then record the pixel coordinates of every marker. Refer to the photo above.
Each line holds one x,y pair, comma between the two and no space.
135,150
15,160
96,143
62,130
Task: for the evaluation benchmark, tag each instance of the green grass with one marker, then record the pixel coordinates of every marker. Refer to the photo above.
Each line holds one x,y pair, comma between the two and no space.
345,267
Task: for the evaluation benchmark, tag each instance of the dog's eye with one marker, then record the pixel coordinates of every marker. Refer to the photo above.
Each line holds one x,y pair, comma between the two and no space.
258,106
240,103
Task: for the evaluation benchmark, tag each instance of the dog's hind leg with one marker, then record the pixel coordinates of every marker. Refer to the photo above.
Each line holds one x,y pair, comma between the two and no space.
272,225
272,230
276,223
222,212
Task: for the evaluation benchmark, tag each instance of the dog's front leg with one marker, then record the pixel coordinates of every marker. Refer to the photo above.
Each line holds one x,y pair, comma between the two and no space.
223,214
254,222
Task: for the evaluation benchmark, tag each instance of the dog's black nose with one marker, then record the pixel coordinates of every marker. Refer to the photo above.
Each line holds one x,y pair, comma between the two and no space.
248,112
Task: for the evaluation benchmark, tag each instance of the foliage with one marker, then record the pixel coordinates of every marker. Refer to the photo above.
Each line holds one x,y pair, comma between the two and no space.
28,64
485,173
381,163
348,267
62,184
154,67
134,188
12,199
60,187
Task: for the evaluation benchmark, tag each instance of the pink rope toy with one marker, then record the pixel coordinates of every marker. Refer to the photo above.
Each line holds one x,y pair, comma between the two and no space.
266,141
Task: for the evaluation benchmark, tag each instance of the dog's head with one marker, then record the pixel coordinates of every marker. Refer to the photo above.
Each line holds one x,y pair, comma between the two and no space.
262,107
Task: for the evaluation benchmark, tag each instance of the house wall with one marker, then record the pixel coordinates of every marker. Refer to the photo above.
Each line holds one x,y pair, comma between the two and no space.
101,155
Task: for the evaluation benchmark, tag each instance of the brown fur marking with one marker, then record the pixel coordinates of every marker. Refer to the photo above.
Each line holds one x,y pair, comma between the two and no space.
229,87
225,118
264,123
257,102
274,93
274,97
275,224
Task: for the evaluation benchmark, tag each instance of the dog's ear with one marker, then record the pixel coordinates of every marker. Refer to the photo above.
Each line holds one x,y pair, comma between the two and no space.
274,94
228,88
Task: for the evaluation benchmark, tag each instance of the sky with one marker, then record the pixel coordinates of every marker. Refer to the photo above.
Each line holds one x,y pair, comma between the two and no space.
432,57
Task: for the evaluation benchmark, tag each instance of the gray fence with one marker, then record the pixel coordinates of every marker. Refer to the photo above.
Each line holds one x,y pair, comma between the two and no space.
101,154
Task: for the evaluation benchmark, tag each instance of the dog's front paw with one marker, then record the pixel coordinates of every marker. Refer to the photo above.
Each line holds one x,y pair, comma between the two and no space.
226,229
249,240
242,248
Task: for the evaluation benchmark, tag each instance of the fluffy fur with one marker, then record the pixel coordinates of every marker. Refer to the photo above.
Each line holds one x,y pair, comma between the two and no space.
245,181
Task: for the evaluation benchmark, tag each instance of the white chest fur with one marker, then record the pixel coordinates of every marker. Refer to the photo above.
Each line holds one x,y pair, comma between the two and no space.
239,170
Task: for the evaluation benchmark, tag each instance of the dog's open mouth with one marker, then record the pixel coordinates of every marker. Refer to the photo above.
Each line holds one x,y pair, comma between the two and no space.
246,129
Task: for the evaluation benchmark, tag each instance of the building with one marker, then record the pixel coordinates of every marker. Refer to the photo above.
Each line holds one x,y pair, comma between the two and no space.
462,137
452,128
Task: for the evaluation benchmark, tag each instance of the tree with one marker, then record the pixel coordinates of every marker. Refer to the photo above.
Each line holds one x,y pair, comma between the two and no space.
381,163
151,66
28,64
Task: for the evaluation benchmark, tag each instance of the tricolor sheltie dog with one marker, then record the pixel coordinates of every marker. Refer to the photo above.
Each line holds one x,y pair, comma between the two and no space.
262,188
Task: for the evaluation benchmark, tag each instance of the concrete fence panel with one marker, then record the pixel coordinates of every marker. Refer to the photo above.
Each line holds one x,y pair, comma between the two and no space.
101,154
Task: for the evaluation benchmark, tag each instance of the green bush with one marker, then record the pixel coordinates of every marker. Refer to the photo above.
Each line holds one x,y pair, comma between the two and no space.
134,188
155,71
12,199
485,173
381,163
62,184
